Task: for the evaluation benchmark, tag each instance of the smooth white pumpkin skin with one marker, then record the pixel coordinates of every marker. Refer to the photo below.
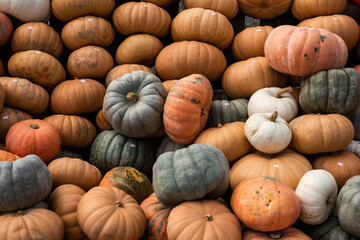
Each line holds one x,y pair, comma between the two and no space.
264,100
354,147
27,10
265,135
317,191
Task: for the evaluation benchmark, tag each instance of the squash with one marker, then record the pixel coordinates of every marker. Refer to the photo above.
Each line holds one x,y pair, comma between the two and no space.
354,147
8,117
304,9
123,69
135,101
25,182
27,11
163,3
317,200
2,97
227,7
102,122
6,29
289,233
168,145
7,156
190,173
168,84
303,51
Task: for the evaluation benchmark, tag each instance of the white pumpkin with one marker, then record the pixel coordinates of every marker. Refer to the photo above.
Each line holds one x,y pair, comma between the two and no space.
274,99
354,147
27,10
268,132
317,191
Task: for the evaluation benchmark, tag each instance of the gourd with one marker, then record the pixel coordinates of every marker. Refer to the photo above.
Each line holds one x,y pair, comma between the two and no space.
27,11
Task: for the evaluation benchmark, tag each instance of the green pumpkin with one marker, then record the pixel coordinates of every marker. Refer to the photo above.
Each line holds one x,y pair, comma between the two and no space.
134,104
111,149
224,111
332,91
168,145
23,183
190,173
348,206
68,153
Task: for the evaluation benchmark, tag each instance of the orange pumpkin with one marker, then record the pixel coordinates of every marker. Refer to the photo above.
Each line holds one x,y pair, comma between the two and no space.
6,29
289,233
187,108
123,69
168,84
264,10
102,122
304,9
7,156
265,204
163,3
8,117
2,97
227,7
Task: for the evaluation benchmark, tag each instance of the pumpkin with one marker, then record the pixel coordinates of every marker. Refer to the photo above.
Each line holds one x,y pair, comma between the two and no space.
354,147
141,17
70,9
163,3
87,30
320,133
303,51
135,101
317,200
33,136
268,132
90,62
8,117
130,180
180,59
77,96
123,69
347,206
6,29
332,91
265,204
168,84
2,69
289,233
264,10
229,138
168,145
24,183
111,149
254,73
342,165
202,25
63,201
38,66
65,152
157,216
342,25
27,11
206,219
187,108
25,95
139,49
356,123
250,42
102,121
74,171
37,36
304,9
287,166
2,97
190,173
75,131
7,156
101,207
229,8
32,223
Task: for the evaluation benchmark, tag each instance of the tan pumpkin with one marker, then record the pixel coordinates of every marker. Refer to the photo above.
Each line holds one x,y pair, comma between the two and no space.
141,17
63,201
8,117
37,36
102,122
38,66
227,7
139,49
254,73
25,95
304,9
75,131
121,70
90,62
263,9
77,96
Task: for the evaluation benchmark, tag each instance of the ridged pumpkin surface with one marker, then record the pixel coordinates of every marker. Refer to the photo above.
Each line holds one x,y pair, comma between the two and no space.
289,233
168,145
304,9
8,117
102,122
264,9
227,7
7,156
123,69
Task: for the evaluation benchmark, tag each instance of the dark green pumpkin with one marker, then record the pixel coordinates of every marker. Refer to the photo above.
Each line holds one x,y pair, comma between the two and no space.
168,145
111,149
332,91
134,104
190,173
64,152
224,111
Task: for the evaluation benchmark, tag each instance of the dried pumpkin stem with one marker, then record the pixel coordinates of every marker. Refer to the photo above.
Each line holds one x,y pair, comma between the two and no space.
133,97
273,116
34,126
119,204
275,235
208,217
283,91
20,213
219,125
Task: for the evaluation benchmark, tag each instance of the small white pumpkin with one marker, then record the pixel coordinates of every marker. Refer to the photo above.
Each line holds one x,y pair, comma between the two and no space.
268,132
317,191
274,99
27,10
354,147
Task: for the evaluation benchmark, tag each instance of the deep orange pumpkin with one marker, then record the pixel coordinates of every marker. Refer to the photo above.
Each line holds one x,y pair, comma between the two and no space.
289,233
102,122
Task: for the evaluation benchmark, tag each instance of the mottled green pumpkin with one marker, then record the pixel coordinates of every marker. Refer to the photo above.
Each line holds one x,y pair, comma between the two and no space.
130,180
190,173
134,104
111,149
168,145
224,111
332,91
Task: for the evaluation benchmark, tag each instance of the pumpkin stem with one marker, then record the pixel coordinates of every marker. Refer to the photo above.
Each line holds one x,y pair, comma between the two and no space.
219,125
273,116
34,126
20,213
283,91
133,97
275,235
119,204
328,201
208,217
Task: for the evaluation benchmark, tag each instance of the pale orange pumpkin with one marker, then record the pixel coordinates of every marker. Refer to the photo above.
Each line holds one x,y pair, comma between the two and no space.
304,9
227,7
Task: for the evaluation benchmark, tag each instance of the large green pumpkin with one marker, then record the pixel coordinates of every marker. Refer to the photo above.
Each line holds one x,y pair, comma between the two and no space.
134,104
348,206
332,91
23,183
190,173
224,111
111,149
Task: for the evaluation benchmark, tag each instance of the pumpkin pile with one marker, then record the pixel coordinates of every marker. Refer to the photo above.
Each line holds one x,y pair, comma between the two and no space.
169,119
